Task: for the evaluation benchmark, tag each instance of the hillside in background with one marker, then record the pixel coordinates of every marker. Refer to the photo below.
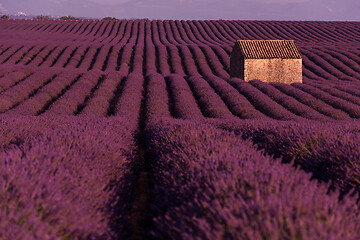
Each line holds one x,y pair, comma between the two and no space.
133,129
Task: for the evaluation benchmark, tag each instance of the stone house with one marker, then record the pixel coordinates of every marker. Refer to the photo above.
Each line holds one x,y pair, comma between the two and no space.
266,60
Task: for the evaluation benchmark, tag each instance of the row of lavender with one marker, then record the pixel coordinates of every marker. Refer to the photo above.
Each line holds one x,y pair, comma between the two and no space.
193,31
29,91
55,92
206,183
325,63
155,49
66,177
156,57
212,184
329,151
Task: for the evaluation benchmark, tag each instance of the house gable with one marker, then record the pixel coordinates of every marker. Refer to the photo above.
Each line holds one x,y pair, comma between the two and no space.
266,60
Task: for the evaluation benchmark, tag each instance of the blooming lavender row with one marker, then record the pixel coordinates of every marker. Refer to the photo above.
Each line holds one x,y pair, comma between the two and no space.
189,61
162,32
6,69
10,52
201,61
339,93
211,31
50,92
100,45
350,59
175,60
179,32
112,58
150,52
118,33
99,103
30,55
71,100
129,103
253,32
100,59
19,55
65,178
175,37
185,32
125,58
210,184
349,89
77,57
288,102
308,75
238,32
330,151
63,59
157,99
193,32
183,102
311,101
317,69
109,30
52,57
209,102
24,89
328,67
345,67
261,101
12,78
198,31
103,30
346,106
237,103
218,67
137,63
89,57
163,64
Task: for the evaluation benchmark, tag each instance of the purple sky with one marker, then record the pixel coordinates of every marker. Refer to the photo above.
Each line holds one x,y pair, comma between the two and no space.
332,10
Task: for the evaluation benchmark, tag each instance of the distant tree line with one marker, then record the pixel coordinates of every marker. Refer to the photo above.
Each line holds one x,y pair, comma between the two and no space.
109,18
61,18
69,18
44,17
40,17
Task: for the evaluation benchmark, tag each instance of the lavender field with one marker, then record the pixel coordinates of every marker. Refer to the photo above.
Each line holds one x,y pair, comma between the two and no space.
133,129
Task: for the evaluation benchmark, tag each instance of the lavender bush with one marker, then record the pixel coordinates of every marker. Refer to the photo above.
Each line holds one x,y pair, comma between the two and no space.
261,101
329,151
210,184
61,178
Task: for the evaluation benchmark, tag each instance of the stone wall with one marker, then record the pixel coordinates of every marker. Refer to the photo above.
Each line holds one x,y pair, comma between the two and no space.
273,70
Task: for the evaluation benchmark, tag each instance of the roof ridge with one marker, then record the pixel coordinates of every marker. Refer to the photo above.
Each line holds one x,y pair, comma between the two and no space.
264,49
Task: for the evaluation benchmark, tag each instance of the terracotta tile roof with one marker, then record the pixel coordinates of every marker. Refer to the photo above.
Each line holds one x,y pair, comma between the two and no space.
264,49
